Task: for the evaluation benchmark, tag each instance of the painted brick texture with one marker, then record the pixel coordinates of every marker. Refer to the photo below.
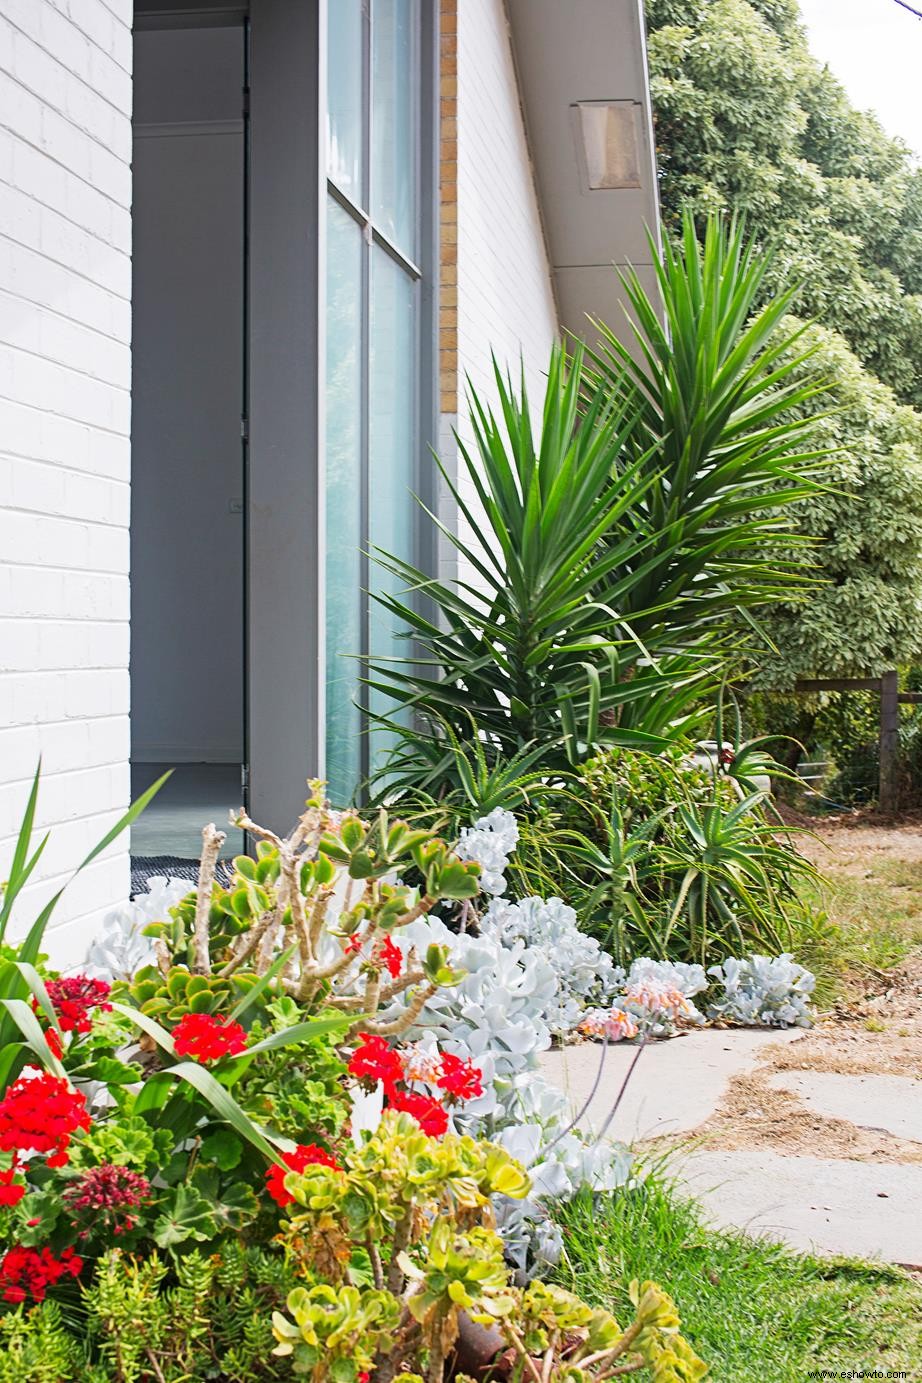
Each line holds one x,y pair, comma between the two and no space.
496,291
65,377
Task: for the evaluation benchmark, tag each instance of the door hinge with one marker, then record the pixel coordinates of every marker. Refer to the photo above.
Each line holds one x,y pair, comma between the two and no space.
244,429
244,776
245,101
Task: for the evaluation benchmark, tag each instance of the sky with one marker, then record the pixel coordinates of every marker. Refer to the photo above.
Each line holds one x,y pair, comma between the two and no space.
874,47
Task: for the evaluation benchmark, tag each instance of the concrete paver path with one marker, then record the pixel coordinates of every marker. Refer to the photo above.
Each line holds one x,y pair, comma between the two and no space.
857,1196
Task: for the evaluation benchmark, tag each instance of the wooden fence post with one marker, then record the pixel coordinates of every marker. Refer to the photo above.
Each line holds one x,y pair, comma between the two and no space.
888,794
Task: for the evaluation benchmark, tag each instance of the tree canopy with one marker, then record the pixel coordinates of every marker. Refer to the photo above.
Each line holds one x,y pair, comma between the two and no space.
748,121
747,118
865,614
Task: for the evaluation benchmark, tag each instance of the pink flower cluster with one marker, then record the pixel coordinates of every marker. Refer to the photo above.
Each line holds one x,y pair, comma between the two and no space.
109,1194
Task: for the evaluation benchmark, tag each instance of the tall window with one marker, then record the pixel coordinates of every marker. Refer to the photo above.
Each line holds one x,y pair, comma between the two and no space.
372,345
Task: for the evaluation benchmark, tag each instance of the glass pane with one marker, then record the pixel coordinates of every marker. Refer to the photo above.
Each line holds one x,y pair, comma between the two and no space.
344,96
394,84
392,446
343,501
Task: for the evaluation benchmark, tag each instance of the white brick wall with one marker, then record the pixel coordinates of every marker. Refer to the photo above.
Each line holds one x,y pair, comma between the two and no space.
505,296
65,376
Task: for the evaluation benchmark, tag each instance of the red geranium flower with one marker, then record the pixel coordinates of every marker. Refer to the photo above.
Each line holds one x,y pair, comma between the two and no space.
461,1079
30,1272
392,957
207,1037
431,1116
11,1192
304,1155
39,1114
74,997
375,1061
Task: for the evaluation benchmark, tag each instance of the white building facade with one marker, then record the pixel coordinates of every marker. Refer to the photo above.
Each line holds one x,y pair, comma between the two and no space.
249,253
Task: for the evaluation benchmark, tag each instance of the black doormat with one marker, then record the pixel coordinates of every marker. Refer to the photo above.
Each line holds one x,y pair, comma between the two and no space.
144,867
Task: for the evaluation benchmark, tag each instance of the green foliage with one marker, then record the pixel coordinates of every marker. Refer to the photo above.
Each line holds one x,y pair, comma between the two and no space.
748,120
35,1347
400,1239
20,1032
202,1320
665,857
609,554
866,527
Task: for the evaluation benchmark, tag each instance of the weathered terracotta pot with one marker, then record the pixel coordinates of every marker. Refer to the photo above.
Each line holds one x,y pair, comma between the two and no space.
476,1350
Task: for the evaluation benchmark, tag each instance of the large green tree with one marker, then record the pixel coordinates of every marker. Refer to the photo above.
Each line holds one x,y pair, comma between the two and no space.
747,120
864,615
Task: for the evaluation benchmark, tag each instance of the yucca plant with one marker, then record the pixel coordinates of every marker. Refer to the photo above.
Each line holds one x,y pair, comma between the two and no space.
713,385
609,555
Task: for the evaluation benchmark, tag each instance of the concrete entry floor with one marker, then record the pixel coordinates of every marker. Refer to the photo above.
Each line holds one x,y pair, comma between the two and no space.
193,796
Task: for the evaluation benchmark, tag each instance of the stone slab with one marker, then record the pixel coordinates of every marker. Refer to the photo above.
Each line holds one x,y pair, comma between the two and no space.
676,1085
878,1102
855,1209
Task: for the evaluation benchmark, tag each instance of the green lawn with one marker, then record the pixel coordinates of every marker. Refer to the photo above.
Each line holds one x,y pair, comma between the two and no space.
756,1312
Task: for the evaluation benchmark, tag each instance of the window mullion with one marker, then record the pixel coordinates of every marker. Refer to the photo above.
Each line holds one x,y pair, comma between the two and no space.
366,374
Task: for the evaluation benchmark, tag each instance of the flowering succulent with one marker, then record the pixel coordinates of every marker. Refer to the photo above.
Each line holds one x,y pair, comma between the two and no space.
765,990
109,1197
75,997
207,1037
304,1155
29,1272
611,1024
39,1114
490,841
657,995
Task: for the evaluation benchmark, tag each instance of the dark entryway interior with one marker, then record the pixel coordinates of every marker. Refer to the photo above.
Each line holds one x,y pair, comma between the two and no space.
187,525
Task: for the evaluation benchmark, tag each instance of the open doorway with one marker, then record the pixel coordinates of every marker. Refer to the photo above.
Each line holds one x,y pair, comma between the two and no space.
188,490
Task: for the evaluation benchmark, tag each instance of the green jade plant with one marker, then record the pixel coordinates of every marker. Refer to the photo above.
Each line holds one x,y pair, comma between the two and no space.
312,915
406,1278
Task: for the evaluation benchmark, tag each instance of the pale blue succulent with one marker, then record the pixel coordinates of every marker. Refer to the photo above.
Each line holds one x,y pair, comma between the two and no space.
771,991
490,841
499,1016
120,949
585,973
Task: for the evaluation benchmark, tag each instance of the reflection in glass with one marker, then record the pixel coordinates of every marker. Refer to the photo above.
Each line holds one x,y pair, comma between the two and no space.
343,501
394,86
392,446
344,98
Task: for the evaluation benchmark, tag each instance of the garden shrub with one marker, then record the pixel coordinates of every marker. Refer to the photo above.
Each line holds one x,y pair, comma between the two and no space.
665,857
231,1164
